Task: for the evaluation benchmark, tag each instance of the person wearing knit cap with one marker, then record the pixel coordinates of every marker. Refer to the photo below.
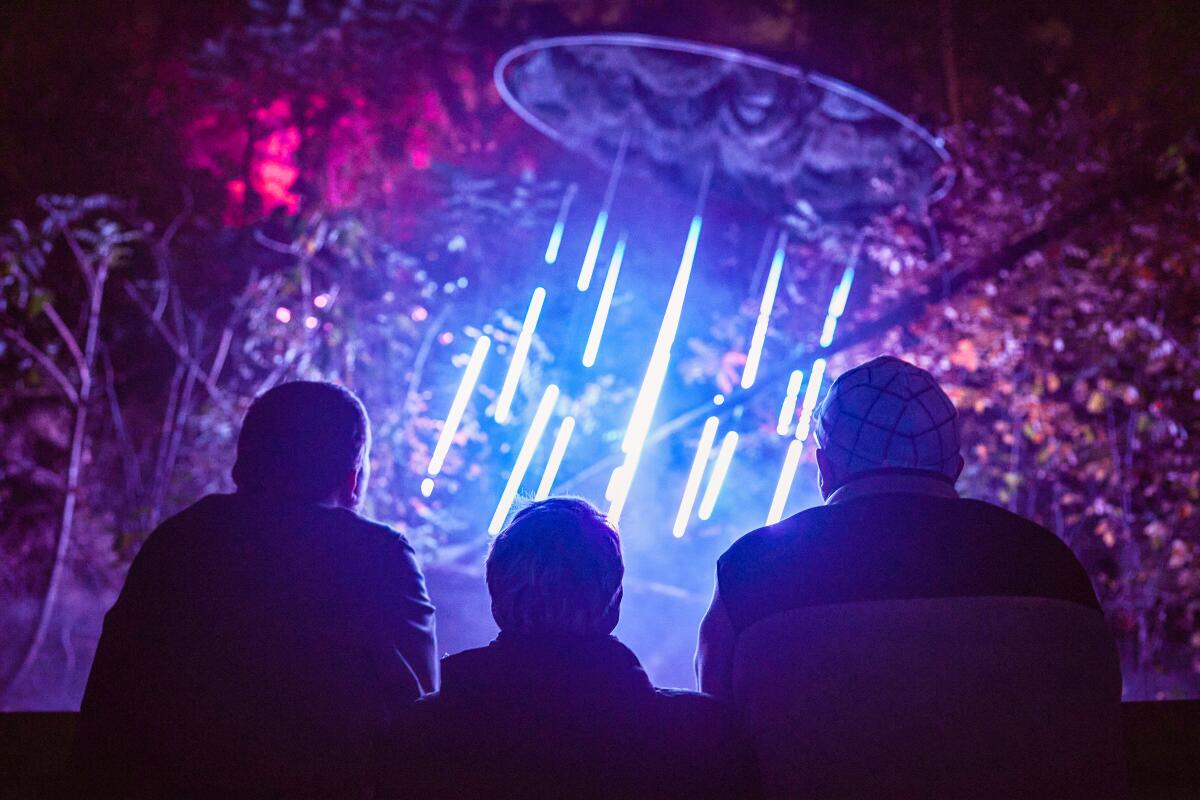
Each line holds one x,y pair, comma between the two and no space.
903,641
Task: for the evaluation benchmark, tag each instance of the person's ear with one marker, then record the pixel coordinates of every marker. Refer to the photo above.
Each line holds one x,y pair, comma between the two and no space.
826,474
351,492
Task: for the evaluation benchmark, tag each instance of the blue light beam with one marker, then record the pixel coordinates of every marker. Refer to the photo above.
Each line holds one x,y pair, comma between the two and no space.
717,479
520,353
561,440
465,387
532,439
837,306
788,411
606,296
692,488
593,249
811,395
560,224
750,371
656,371
786,476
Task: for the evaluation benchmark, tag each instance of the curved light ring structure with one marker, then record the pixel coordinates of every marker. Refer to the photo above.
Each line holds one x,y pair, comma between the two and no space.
727,54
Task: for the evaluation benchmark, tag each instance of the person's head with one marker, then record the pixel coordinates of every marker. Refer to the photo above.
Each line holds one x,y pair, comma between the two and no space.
556,568
307,440
884,417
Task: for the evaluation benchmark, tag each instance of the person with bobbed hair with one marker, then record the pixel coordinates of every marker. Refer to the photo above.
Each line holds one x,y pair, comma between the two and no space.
556,706
265,639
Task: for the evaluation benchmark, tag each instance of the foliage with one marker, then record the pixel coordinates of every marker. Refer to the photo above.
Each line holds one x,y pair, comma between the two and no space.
353,179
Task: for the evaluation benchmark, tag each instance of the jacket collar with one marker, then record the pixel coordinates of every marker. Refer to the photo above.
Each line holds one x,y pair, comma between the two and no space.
890,482
546,665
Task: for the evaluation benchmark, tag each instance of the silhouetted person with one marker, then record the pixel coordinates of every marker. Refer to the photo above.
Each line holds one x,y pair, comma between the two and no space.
556,706
263,639
901,641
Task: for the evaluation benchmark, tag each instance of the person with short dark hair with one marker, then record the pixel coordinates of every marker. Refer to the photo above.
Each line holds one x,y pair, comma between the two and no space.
902,641
264,639
556,706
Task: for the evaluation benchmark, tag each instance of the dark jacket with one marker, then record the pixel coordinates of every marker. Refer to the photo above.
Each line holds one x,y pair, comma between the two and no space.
905,644
562,717
258,648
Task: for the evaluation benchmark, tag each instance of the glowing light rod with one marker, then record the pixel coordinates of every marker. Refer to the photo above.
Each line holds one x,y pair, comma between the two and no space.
656,371
520,352
837,306
454,417
786,476
532,438
750,372
660,358
717,479
652,383
560,224
593,249
556,456
692,488
811,395
606,296
788,410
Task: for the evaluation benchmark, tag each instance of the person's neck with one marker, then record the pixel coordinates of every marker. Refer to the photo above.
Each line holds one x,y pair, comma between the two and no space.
888,481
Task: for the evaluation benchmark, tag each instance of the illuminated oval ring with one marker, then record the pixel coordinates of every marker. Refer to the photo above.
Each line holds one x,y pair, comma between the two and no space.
509,63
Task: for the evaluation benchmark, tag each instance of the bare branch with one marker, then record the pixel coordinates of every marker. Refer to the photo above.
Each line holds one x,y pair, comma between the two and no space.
45,362
65,334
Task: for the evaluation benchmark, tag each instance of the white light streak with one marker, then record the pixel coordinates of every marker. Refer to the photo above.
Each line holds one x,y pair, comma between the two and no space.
561,439
750,371
827,332
520,352
788,411
656,371
532,438
427,487
837,306
555,242
660,358
560,224
811,395
692,488
593,251
459,405
606,296
786,476
717,479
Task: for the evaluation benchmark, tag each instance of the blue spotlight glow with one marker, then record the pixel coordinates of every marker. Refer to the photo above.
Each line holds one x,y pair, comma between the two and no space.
532,438
717,479
811,395
788,411
593,252
750,372
561,440
692,488
786,476
560,224
606,296
520,352
454,417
